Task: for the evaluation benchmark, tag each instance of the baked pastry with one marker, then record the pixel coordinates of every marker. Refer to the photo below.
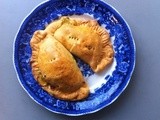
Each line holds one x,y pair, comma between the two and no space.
55,68
85,39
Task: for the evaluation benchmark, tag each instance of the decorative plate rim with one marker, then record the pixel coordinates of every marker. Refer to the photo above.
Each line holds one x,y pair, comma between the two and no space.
90,112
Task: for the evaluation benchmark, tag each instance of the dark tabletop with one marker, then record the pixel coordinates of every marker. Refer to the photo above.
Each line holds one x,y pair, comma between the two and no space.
141,99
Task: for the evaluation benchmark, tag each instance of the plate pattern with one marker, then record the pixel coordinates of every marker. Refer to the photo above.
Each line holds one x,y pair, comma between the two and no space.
124,48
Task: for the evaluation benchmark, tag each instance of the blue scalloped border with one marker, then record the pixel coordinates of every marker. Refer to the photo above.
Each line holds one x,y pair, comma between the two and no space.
124,48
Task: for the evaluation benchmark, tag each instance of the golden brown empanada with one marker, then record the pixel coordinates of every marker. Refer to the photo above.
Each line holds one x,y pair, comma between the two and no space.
85,39
55,69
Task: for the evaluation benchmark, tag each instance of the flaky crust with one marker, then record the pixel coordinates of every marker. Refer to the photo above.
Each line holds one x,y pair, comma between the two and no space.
85,39
55,69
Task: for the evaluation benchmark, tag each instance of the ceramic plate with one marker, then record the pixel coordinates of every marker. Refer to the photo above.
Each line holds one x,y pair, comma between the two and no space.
106,86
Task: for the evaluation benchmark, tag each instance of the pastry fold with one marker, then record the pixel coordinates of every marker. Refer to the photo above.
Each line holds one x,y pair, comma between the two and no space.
84,39
55,68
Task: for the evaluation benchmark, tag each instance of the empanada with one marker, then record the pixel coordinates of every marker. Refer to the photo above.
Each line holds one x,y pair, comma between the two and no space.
85,39
55,68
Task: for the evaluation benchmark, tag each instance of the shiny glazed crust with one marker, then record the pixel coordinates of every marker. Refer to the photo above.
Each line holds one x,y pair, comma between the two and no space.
55,68
85,39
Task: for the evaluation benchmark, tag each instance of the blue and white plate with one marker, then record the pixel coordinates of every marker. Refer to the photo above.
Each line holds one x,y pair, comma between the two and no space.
106,86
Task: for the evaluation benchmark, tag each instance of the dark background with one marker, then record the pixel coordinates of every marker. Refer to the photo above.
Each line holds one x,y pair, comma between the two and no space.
141,99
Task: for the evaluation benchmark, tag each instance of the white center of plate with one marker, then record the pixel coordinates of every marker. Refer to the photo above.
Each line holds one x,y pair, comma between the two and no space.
96,80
